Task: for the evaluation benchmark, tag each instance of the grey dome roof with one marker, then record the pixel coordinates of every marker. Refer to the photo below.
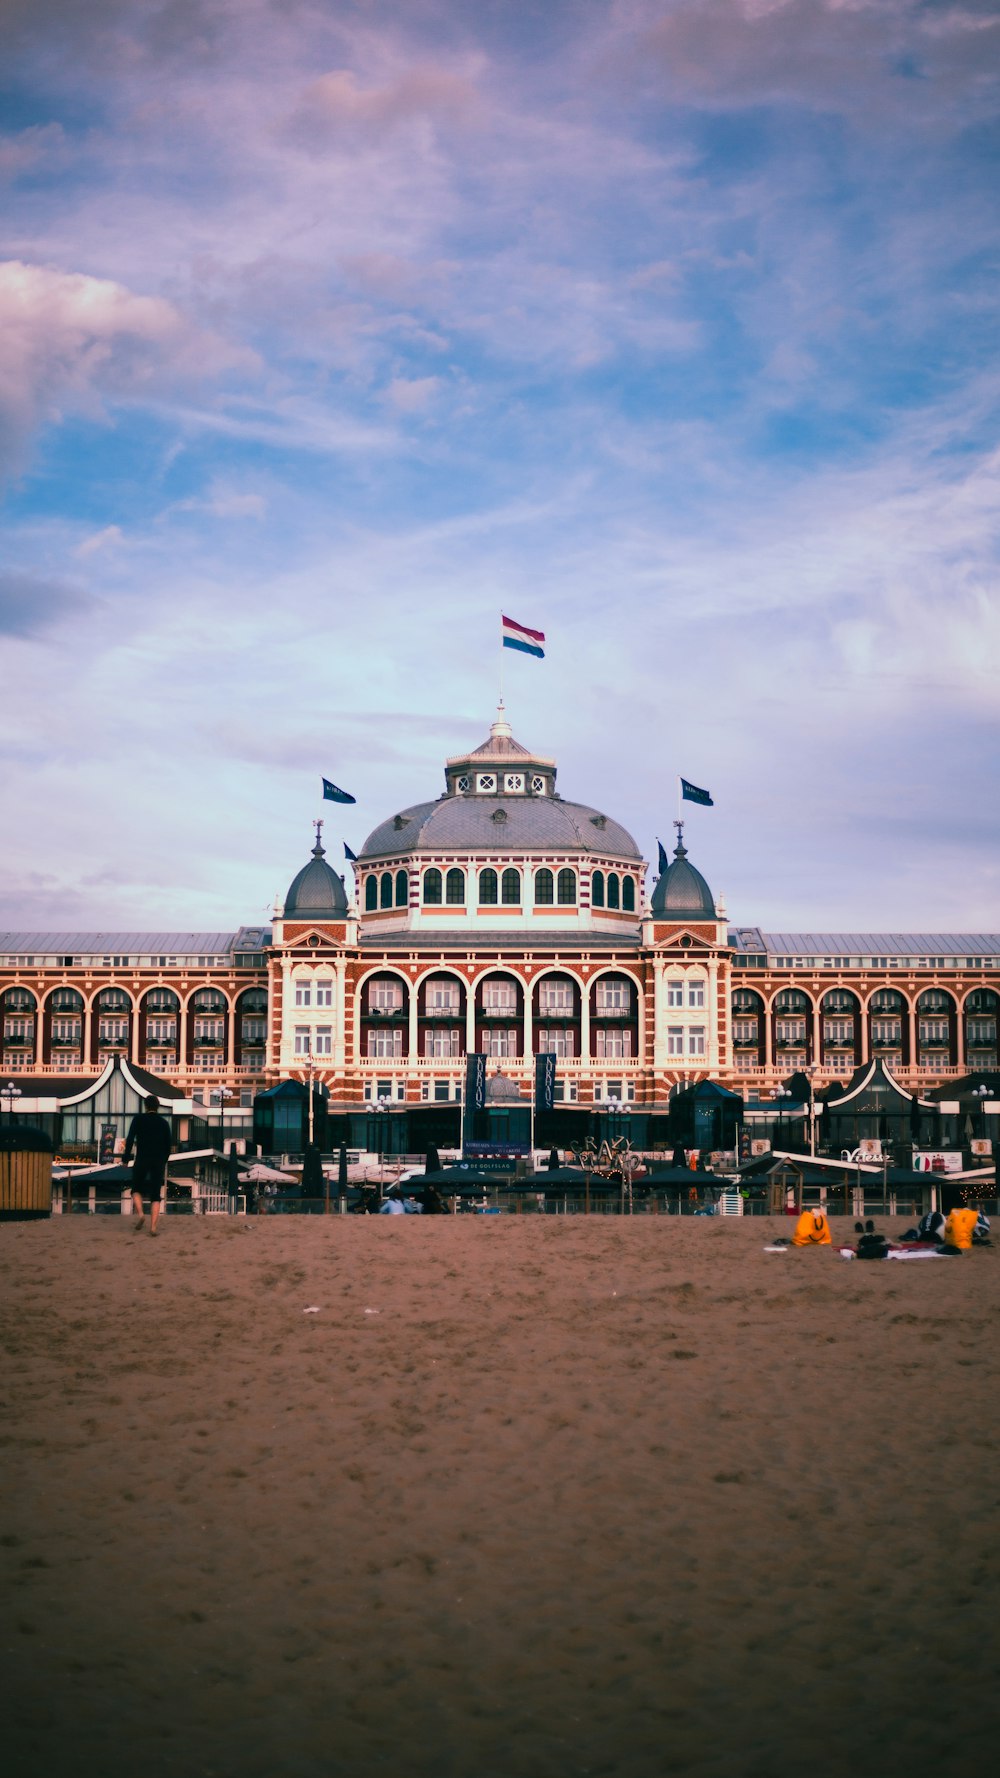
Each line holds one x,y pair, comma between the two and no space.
499,824
682,892
317,891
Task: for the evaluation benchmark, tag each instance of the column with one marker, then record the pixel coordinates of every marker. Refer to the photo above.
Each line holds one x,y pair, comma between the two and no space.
912,1023
230,1055
768,1016
528,1038
470,1017
413,1008
817,1051
134,1023
714,1057
182,1035
585,1022
866,1038
40,1016
959,1035
88,1021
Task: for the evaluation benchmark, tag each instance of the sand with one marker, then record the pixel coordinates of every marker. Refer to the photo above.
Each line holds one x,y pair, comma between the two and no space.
528,1497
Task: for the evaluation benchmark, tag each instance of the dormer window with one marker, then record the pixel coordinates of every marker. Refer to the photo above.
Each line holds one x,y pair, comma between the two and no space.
513,781
486,781
464,783
538,786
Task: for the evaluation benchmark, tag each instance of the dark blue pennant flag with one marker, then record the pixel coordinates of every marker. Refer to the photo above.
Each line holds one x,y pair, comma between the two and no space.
352,857
692,794
333,795
664,860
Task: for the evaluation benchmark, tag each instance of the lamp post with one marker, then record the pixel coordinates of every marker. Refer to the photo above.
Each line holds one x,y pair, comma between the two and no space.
811,1071
11,1093
982,1093
222,1094
781,1094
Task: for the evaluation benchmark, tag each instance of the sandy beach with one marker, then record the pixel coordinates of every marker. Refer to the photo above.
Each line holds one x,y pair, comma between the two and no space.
528,1497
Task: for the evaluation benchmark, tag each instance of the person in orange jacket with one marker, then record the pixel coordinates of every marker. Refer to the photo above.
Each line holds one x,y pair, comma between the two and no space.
959,1227
812,1230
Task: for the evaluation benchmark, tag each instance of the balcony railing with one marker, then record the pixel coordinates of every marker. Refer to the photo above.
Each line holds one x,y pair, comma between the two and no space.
503,1015
442,1015
613,1014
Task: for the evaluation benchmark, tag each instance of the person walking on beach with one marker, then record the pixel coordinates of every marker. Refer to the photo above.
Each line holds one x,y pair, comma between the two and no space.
150,1135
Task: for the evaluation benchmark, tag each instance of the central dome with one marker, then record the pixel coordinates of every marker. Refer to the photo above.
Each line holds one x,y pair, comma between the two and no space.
500,798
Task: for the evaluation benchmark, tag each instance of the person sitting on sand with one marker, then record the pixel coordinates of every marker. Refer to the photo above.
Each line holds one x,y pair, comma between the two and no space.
151,1137
931,1227
393,1205
959,1229
870,1245
812,1230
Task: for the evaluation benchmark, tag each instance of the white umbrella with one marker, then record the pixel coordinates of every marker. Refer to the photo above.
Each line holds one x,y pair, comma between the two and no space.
259,1174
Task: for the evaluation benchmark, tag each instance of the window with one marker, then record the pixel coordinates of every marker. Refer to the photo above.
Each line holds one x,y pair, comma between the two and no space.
981,1030
323,1045
324,993
18,1030
66,1000
513,781
205,1030
696,993
934,1000
500,997
745,1031
510,888
455,888
440,1043
66,1030
402,889
614,996
165,1030
209,1000
886,1030
253,1030
838,1030
696,1040
371,894
488,888
162,1000
303,993
558,1043
675,992
383,1044
113,1000
566,888
790,1030
544,888
486,781
302,1044
385,889
385,996
934,1030
556,997
597,889
442,1091
432,888
614,1044
612,890
500,1042
628,895
443,997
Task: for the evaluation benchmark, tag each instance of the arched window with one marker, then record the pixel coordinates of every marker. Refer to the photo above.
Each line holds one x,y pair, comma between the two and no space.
597,889
566,888
488,888
612,889
165,1000
432,888
209,1000
19,1000
371,894
628,895
66,1000
544,889
455,888
402,888
113,1000
792,1000
385,889
510,888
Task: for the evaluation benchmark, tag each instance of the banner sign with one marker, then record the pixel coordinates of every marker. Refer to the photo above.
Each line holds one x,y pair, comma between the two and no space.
106,1152
475,1083
499,1150
545,1081
944,1160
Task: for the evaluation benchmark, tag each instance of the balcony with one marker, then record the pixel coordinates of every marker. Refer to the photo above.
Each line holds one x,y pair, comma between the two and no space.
499,1015
386,1015
442,1015
612,1015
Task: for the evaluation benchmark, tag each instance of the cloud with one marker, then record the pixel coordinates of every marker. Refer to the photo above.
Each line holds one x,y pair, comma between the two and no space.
72,341
39,146
411,395
30,605
108,538
336,104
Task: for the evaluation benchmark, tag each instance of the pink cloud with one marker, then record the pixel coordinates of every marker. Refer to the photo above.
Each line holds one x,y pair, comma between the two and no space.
336,102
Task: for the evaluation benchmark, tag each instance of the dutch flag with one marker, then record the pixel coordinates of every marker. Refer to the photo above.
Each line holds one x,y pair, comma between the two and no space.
516,636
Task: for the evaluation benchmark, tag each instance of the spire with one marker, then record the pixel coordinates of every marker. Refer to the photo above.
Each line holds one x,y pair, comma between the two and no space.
501,729
680,850
318,851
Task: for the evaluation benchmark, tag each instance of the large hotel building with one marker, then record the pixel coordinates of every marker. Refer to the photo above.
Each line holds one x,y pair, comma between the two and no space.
503,920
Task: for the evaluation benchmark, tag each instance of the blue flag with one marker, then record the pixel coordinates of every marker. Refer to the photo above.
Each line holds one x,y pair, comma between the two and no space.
333,795
664,860
692,794
352,857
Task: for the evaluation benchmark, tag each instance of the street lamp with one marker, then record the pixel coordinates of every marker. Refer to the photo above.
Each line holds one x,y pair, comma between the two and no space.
11,1093
781,1094
981,1093
810,1071
222,1094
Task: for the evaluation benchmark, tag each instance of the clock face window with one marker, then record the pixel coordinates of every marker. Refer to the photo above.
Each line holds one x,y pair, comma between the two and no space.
513,781
486,781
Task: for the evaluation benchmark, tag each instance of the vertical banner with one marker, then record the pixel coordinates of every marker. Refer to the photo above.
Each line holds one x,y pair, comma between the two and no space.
475,1095
106,1148
545,1081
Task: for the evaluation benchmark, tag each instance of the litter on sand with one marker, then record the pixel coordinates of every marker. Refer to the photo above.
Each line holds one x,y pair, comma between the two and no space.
313,1309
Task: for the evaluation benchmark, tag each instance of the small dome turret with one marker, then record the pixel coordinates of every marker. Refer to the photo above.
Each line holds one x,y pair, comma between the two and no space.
317,892
682,892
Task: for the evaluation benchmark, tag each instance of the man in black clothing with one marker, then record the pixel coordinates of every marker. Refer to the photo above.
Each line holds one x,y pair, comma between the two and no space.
151,1137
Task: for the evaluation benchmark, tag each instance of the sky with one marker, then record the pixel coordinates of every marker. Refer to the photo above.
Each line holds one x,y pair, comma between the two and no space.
329,332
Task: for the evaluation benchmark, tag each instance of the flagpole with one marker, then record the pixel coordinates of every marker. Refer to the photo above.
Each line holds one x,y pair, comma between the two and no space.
501,657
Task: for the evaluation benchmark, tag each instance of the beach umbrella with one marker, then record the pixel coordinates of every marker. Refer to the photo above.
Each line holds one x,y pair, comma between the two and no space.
313,1183
679,1158
233,1175
342,1170
553,1160
432,1160
259,1174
